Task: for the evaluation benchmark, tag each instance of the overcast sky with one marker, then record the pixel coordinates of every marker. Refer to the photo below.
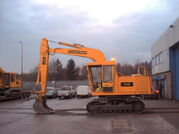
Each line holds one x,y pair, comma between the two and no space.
124,29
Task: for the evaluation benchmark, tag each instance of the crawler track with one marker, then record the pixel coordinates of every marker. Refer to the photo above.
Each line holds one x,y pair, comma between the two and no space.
116,105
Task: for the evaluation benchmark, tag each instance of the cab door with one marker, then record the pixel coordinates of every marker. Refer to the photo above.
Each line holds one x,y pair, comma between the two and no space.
108,78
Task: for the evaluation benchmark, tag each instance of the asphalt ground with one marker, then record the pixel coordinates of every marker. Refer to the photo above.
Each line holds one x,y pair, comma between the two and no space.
18,117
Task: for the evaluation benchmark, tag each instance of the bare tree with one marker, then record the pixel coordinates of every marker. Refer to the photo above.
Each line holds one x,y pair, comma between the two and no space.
32,75
125,69
128,69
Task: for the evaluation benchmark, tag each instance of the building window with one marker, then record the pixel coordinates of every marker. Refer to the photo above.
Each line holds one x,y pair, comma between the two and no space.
158,58
153,61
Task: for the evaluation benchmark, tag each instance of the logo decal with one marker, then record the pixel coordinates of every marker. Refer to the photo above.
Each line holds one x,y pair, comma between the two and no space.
77,52
127,84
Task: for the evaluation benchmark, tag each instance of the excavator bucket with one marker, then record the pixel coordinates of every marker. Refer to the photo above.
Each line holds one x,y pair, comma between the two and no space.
40,107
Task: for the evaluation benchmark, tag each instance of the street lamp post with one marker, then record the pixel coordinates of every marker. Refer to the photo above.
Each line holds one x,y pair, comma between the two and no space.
21,59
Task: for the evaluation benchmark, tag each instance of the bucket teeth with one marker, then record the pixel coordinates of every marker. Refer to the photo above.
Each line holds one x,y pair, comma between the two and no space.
40,107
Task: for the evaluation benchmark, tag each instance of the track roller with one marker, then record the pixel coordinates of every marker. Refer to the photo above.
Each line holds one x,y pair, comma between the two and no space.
138,106
92,107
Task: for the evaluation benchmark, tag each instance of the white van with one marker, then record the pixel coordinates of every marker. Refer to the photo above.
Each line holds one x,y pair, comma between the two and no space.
83,91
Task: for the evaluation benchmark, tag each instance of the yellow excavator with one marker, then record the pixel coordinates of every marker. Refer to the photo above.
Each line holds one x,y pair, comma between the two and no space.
11,86
8,80
116,93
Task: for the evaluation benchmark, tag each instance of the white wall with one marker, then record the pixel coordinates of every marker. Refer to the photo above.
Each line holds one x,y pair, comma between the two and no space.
160,49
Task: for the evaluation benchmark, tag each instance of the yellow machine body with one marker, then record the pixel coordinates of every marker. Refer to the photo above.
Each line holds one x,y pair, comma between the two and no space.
104,80
9,80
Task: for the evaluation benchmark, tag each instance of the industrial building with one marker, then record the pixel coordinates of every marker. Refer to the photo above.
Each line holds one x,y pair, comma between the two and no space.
165,62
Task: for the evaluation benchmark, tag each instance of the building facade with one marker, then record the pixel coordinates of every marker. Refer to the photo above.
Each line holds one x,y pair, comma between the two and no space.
165,62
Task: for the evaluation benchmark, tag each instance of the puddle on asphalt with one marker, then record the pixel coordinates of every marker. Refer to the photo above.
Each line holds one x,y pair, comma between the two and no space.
78,112
120,126
16,111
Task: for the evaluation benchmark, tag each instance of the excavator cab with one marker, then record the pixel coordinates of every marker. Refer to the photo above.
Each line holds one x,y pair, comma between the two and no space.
101,77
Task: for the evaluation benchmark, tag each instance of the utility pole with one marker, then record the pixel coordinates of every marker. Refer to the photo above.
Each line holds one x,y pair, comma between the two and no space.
21,59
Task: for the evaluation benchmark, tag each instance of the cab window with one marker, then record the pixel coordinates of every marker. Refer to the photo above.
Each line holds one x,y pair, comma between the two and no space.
96,73
107,72
12,77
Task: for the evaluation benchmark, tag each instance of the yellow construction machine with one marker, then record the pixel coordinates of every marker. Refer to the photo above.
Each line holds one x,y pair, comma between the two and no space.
11,86
9,80
116,93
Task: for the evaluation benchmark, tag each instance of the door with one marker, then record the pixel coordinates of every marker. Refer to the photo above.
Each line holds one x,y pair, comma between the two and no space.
108,78
95,77
177,73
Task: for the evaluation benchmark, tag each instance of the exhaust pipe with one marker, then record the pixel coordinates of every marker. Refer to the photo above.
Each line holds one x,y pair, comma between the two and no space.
40,106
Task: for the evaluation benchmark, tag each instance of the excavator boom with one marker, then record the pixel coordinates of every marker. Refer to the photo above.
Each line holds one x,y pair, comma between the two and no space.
40,105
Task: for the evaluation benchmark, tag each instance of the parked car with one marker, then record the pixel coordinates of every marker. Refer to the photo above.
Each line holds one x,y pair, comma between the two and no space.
50,88
52,94
83,91
66,92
